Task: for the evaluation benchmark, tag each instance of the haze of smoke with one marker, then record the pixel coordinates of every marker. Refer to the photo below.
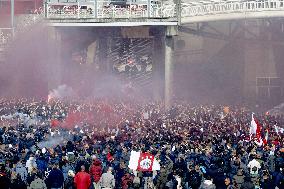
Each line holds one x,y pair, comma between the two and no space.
277,110
55,140
51,142
61,92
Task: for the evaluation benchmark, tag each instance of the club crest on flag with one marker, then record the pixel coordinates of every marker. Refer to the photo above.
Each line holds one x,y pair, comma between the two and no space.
145,162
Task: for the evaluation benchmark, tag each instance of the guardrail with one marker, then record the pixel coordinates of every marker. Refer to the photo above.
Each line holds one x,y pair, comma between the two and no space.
189,10
109,9
204,8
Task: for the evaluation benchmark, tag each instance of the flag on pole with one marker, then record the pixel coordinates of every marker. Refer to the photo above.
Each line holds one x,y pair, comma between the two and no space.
260,140
258,131
253,125
143,162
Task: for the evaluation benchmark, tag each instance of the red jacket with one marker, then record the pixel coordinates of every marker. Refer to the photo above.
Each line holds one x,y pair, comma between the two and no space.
82,180
96,170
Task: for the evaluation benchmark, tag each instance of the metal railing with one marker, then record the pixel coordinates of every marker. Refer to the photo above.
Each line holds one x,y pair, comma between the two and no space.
82,9
109,9
204,8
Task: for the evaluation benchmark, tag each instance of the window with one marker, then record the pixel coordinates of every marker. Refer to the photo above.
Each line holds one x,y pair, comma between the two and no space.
268,87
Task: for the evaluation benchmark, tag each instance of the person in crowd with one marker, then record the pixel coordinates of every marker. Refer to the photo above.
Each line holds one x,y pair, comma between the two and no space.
107,180
4,178
96,172
248,184
127,181
69,182
238,179
31,164
207,183
228,183
37,183
21,171
82,179
18,183
55,178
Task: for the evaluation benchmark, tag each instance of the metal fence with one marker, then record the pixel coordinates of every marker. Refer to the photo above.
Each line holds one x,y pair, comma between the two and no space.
81,9
212,7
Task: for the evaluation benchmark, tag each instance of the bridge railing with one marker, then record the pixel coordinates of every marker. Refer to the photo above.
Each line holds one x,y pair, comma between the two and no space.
126,9
82,9
201,8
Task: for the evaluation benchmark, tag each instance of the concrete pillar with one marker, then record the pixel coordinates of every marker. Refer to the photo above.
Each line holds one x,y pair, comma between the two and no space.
102,52
54,61
109,63
158,65
158,69
168,70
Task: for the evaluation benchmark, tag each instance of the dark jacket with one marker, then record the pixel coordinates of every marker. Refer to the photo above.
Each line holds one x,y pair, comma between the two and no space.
194,179
248,184
69,183
18,184
4,181
55,179
266,184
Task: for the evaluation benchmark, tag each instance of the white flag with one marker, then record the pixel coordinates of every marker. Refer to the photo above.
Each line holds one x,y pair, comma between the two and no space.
253,125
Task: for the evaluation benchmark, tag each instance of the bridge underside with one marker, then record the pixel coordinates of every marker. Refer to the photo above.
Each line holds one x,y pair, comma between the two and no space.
109,23
241,58
108,50
224,62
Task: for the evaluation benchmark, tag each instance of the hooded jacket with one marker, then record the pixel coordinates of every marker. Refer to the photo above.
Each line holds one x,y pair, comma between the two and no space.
82,180
96,170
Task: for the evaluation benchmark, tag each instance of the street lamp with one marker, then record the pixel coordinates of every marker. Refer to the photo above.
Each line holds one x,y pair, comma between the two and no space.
12,16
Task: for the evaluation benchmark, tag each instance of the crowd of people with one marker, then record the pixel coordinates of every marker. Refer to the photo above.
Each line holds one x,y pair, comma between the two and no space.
75,144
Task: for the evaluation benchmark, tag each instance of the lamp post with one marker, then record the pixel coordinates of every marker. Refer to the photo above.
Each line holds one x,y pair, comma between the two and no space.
12,16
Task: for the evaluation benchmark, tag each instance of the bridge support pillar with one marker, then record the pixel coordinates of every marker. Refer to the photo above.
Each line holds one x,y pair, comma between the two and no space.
163,64
168,70
169,47
54,65
158,67
102,53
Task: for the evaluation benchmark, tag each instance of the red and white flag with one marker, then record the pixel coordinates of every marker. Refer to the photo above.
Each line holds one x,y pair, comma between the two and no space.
258,132
143,162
